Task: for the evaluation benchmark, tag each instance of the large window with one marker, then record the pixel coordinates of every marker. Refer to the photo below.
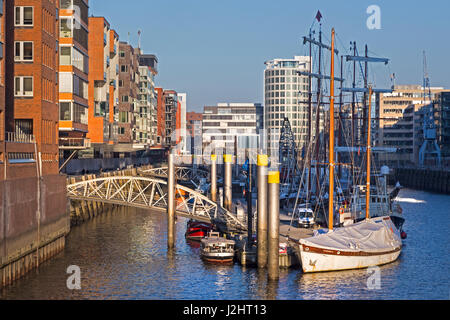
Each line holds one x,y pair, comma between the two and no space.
65,111
23,86
23,16
70,83
65,29
71,56
71,111
23,51
65,56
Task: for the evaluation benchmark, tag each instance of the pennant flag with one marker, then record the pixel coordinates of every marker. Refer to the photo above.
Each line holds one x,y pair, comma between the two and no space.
318,16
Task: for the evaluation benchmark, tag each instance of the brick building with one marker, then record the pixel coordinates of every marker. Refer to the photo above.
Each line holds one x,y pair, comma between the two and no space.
33,199
128,92
103,78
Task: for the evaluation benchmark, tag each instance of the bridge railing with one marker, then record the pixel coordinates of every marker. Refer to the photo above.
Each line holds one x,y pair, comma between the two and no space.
144,192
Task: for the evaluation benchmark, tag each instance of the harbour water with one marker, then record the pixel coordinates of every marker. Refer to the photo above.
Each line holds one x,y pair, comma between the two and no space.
122,254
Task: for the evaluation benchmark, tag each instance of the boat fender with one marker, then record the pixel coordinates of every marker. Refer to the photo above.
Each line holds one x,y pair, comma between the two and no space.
341,210
403,235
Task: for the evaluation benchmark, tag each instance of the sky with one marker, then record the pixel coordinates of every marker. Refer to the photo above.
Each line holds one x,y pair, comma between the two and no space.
215,50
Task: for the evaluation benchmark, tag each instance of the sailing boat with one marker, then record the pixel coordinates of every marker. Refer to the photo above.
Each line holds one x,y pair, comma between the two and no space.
371,242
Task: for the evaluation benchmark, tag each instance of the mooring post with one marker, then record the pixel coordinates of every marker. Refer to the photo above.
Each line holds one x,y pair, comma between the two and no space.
214,177
274,223
227,185
171,203
262,163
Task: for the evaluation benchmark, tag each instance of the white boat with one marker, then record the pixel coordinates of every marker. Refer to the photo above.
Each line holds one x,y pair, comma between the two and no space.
216,249
367,243
371,242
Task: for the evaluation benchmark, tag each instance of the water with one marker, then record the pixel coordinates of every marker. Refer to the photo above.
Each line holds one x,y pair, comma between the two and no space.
123,255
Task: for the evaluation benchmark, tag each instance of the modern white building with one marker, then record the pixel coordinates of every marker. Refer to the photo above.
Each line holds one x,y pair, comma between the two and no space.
230,126
286,95
182,100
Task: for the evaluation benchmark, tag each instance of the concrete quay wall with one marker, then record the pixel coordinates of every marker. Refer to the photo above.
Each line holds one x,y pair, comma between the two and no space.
26,240
433,180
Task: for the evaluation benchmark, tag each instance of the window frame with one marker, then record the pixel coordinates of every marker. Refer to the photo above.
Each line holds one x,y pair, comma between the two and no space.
21,18
22,94
22,46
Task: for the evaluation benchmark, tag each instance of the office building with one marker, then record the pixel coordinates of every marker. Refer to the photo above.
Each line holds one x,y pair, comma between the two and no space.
400,117
232,127
286,95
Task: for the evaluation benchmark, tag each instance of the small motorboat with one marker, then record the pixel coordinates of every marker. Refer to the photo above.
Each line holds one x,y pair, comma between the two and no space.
216,249
197,230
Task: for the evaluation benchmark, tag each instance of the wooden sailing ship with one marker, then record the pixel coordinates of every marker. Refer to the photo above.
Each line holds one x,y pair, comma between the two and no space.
367,243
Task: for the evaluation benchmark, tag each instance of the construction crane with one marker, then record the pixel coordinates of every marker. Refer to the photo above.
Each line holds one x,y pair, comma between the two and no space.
429,147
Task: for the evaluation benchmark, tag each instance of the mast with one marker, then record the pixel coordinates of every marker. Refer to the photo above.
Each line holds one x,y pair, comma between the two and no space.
319,83
364,122
368,155
340,123
309,116
331,141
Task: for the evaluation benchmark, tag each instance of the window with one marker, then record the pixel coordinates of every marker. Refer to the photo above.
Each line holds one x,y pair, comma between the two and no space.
122,130
24,16
123,68
23,51
123,116
124,98
65,56
65,29
23,86
120,83
65,111
122,54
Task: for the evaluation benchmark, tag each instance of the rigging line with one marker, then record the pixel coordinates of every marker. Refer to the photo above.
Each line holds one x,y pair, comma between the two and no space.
308,154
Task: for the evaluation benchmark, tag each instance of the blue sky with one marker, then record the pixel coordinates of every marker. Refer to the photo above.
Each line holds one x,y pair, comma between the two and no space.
215,50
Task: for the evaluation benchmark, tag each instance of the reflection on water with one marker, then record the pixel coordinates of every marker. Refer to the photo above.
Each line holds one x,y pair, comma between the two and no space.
123,254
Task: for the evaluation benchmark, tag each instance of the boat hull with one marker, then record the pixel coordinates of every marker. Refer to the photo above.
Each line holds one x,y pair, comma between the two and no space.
316,259
218,258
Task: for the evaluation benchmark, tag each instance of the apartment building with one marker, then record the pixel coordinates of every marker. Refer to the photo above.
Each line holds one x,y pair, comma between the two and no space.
442,118
191,118
73,74
160,117
146,114
32,193
171,114
103,75
128,92
113,86
182,139
230,126
401,123
194,131
286,95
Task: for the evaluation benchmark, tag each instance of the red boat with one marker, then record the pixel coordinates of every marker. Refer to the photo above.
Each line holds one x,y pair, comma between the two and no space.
197,230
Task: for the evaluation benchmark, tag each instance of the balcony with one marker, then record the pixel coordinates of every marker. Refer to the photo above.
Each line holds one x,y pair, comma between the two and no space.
74,143
19,137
